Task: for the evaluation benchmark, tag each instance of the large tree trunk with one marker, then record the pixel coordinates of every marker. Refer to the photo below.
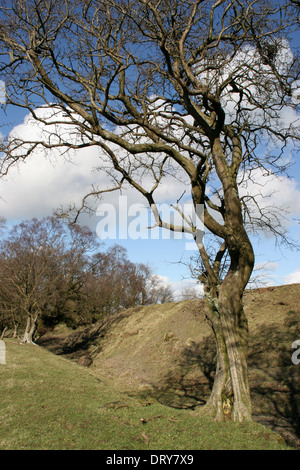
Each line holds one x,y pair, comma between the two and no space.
235,331
230,395
218,403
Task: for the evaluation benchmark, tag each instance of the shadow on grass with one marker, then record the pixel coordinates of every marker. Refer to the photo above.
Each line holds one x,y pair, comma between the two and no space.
82,345
188,385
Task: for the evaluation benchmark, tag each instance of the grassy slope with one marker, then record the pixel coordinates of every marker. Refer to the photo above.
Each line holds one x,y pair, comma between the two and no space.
49,402
168,352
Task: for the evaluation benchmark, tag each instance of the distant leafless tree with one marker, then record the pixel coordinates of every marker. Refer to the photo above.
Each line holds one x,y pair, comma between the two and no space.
158,291
114,282
190,293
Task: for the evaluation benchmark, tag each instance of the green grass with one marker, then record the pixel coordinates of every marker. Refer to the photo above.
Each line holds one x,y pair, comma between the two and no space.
48,402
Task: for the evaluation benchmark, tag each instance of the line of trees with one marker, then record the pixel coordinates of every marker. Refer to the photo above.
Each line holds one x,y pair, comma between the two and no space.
53,272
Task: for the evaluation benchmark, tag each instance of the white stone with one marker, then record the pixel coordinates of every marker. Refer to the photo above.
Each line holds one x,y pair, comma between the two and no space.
2,352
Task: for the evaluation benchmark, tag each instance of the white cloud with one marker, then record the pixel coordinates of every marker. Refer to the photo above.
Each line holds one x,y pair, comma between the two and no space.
292,278
41,184
267,266
47,180
178,287
259,84
271,195
264,274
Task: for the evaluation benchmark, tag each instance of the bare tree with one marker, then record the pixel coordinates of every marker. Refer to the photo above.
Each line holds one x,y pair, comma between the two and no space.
26,264
114,282
190,89
190,293
43,265
158,291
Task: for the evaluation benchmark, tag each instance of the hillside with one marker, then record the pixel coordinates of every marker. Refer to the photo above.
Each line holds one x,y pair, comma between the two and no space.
51,403
167,353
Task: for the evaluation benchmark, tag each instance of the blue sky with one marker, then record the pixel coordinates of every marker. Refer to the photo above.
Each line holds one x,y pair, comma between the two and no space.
39,186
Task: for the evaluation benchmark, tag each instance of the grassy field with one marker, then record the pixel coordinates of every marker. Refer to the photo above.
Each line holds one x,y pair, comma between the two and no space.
51,403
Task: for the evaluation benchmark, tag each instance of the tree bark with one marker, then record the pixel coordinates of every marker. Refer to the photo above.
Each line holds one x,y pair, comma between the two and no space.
15,333
230,395
30,329
221,390
235,331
